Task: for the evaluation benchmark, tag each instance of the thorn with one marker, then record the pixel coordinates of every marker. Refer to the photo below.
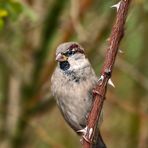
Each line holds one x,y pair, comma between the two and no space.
116,5
120,51
101,80
110,82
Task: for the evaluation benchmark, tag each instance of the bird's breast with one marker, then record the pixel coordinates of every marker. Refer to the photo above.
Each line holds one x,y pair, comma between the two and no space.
73,95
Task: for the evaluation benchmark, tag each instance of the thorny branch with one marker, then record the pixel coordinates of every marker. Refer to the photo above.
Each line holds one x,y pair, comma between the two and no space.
101,88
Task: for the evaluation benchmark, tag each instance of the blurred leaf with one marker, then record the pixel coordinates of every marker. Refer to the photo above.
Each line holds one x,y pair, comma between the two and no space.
14,9
9,9
1,23
145,5
30,13
3,13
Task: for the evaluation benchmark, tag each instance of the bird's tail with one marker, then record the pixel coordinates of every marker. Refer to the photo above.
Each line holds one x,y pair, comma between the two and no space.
99,143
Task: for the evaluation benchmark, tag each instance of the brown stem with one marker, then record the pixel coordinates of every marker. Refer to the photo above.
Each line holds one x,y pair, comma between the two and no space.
100,90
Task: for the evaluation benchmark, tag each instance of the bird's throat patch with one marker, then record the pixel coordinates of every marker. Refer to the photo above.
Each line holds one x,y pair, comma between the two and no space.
64,65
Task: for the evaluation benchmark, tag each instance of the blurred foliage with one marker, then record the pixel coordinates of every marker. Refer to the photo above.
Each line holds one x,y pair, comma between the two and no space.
9,9
30,31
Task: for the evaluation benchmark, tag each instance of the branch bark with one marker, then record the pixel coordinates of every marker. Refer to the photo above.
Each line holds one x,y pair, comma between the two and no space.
101,88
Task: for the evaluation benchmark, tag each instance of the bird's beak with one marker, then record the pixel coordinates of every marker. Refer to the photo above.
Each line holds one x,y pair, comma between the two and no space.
60,57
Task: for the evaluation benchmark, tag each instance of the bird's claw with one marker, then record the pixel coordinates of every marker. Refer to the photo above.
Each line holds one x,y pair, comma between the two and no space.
95,92
83,131
86,139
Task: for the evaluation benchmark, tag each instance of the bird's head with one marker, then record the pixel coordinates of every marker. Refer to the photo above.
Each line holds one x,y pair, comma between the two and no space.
70,55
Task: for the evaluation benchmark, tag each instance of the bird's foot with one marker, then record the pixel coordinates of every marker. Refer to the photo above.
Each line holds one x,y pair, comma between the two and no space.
86,134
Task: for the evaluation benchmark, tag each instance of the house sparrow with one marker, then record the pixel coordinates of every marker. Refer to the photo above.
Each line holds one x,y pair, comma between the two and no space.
71,84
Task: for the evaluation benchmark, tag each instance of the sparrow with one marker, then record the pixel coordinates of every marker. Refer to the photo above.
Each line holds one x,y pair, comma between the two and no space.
72,83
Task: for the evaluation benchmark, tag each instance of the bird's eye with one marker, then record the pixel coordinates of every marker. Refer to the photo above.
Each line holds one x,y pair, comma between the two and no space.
69,52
